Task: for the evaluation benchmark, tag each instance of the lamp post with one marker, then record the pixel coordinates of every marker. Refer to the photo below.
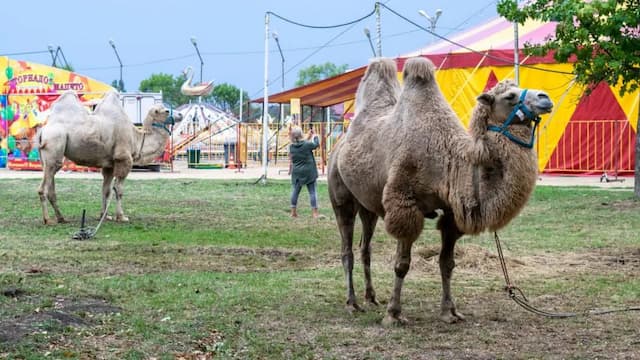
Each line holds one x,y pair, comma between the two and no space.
432,19
277,39
367,33
53,56
113,45
195,45
281,119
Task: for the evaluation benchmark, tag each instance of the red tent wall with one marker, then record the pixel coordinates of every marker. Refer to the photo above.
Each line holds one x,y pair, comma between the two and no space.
598,137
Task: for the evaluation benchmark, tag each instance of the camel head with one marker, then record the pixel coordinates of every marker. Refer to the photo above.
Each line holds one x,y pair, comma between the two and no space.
159,116
510,106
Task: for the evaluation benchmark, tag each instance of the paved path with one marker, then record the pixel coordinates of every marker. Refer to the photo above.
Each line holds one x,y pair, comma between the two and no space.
181,171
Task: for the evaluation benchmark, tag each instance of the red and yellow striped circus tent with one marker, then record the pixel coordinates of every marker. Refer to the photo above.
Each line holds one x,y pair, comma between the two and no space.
592,134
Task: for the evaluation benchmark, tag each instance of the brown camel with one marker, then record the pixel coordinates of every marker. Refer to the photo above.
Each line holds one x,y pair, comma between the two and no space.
105,138
406,156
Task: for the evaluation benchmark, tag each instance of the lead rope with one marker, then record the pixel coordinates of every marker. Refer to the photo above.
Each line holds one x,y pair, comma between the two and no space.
86,233
517,295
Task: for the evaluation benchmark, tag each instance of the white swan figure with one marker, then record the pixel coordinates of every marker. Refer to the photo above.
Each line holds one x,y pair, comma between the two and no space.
202,89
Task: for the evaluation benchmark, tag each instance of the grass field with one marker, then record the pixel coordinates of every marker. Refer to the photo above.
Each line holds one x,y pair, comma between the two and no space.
210,269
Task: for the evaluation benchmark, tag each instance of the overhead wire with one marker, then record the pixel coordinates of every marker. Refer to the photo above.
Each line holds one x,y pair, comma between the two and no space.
327,44
349,25
26,53
322,26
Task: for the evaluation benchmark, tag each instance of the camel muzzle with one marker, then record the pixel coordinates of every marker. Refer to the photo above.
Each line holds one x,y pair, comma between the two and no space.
523,113
170,120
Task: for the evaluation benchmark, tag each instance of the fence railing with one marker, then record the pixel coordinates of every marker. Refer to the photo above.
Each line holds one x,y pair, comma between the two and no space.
598,147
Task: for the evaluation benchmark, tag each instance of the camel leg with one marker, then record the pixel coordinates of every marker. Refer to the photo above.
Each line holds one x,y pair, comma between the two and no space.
47,191
405,224
121,170
107,180
369,220
401,268
345,208
450,234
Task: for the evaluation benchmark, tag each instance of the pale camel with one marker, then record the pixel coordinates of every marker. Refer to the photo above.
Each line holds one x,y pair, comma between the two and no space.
105,138
406,156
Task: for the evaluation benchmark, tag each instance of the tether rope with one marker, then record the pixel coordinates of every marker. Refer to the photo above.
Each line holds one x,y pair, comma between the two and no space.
86,233
517,295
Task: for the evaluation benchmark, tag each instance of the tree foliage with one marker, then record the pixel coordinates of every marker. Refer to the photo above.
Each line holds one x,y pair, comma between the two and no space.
227,97
602,35
168,85
116,84
315,73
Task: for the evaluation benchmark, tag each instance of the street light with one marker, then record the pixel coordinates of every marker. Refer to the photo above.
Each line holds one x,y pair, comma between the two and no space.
53,56
367,33
432,20
195,45
275,37
113,45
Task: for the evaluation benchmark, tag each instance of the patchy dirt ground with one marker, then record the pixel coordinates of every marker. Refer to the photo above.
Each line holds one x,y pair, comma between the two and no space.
64,313
495,326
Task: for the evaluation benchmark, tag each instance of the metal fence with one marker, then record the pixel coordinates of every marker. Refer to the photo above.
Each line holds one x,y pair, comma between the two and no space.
249,151
598,147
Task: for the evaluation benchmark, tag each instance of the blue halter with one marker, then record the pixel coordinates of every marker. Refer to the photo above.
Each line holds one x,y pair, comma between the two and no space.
521,111
168,121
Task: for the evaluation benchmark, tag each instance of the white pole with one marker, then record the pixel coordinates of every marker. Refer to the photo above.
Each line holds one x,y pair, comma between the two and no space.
240,115
328,133
378,30
516,53
265,103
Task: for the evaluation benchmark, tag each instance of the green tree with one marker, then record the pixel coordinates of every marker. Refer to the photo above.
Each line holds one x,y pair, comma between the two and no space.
114,84
602,35
227,97
169,86
315,73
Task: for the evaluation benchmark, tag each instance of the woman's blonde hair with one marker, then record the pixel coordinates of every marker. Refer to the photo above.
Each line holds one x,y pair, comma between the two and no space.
296,134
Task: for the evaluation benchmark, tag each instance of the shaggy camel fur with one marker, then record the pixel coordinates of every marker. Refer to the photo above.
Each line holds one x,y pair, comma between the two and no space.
105,138
406,156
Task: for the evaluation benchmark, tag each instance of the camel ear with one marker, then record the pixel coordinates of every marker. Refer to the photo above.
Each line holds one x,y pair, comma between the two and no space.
486,99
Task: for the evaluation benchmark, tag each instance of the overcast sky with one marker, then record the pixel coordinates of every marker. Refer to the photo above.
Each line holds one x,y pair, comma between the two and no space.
154,36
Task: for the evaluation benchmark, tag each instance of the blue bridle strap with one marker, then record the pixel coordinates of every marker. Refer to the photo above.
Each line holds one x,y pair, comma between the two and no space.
169,121
522,111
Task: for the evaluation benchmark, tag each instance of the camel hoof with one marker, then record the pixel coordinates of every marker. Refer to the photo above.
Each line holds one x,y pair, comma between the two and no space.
372,300
108,218
62,221
394,321
451,317
354,308
122,219
48,222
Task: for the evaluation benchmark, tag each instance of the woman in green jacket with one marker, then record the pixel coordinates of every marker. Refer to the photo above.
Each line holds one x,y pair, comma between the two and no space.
303,168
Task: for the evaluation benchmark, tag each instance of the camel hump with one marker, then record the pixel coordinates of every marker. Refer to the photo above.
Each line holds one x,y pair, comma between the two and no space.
419,69
109,100
111,107
68,101
384,68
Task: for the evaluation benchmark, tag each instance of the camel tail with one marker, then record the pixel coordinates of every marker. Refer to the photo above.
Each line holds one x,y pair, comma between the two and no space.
419,70
39,144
